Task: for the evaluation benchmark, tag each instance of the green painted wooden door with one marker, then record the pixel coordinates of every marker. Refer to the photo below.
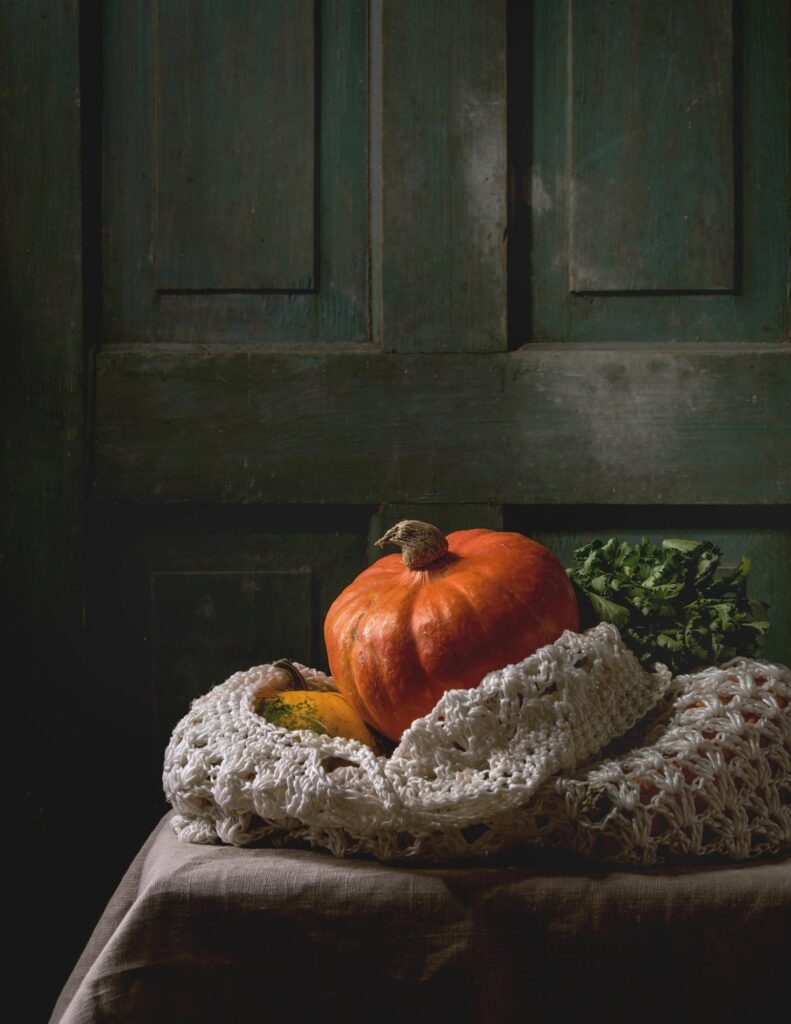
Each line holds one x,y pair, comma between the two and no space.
279,273
516,263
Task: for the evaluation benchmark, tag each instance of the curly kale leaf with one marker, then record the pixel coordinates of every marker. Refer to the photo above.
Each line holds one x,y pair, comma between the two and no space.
671,602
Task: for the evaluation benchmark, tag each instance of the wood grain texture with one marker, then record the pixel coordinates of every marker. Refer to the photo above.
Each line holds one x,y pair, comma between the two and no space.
758,308
235,140
636,424
443,175
651,203
337,305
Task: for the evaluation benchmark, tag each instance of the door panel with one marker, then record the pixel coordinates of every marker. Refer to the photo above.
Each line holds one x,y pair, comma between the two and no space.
235,167
650,144
234,96
651,201
203,623
191,594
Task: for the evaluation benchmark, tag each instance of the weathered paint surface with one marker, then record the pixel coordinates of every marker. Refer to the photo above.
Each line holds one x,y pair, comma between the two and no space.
641,424
651,200
268,243
609,161
235,111
443,175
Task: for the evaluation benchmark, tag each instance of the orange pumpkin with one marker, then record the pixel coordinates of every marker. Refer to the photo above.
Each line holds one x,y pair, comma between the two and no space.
440,616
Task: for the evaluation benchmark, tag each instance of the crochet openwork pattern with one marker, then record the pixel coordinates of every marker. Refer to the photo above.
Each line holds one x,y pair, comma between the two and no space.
710,775
705,765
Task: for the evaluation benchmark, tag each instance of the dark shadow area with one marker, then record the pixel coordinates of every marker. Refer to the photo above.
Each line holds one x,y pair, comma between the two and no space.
594,518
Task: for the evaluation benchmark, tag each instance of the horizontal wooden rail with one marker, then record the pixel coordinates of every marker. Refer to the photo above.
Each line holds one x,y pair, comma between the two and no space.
552,424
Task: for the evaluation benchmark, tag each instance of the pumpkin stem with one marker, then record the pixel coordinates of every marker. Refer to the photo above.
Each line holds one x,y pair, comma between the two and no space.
420,543
293,671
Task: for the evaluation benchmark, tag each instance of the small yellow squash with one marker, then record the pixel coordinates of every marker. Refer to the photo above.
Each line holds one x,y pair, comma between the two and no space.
319,711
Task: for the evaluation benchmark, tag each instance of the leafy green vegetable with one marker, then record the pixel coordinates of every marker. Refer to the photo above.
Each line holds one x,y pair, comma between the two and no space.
672,603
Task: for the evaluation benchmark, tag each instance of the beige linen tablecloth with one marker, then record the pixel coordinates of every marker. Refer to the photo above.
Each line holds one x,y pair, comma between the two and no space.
227,934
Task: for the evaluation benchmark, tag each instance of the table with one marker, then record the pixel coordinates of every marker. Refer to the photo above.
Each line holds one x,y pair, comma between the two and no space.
226,934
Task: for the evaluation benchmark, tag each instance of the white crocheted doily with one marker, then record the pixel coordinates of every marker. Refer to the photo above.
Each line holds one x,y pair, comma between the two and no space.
492,767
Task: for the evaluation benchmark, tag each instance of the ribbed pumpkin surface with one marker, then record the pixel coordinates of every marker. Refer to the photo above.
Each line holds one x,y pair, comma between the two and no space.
398,638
